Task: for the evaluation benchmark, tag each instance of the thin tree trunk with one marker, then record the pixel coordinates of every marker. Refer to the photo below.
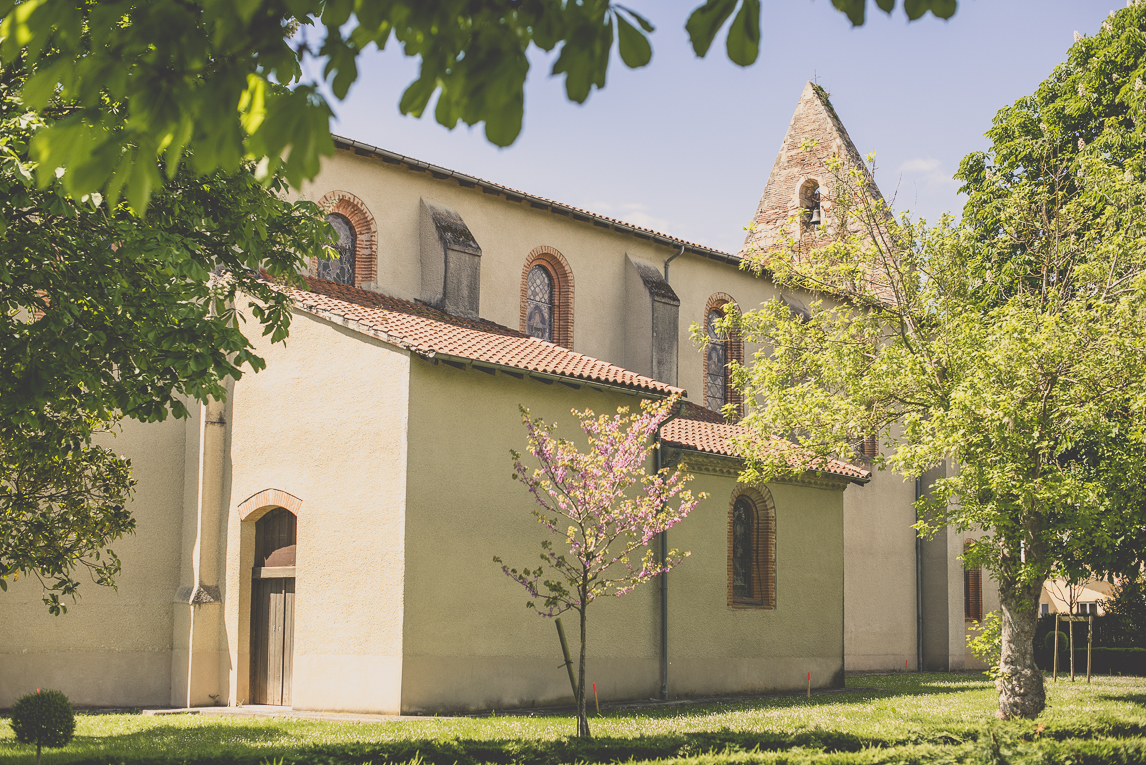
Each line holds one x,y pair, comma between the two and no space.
582,717
1020,685
1070,626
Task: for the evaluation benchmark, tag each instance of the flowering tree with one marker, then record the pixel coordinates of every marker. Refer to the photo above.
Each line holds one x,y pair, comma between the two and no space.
605,508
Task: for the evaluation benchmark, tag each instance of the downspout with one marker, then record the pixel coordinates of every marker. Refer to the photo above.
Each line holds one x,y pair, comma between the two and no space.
662,556
670,260
918,587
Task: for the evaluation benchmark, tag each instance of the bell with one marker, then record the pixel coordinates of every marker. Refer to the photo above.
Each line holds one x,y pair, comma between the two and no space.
815,216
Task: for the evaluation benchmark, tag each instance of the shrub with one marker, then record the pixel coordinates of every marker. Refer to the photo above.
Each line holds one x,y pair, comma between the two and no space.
43,718
1063,641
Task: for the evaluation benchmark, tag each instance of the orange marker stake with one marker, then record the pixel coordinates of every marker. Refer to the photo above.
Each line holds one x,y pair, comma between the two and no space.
596,700
809,685
905,665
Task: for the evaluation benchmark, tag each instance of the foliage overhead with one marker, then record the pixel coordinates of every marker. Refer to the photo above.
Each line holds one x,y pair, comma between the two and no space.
198,77
106,314
605,510
115,313
1012,345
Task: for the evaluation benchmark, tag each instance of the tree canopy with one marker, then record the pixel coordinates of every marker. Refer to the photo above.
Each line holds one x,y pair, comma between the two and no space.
1010,347
108,314
197,78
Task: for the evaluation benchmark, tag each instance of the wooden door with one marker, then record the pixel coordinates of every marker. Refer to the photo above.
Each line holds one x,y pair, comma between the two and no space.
272,641
272,609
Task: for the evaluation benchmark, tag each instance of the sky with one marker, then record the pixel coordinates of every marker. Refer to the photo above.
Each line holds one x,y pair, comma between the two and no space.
684,146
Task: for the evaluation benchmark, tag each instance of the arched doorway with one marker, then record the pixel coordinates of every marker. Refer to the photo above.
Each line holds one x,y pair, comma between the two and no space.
272,608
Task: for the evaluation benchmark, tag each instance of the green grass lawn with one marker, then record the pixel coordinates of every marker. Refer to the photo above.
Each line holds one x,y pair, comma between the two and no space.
882,718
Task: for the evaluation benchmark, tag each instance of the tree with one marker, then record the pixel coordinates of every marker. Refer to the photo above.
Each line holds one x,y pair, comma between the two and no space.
199,76
60,510
605,508
1011,347
107,314
1126,611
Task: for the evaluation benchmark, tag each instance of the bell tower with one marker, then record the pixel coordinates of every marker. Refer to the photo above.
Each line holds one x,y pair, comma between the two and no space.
799,197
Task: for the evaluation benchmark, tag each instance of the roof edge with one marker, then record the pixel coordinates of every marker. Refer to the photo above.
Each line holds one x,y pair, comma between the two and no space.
557,208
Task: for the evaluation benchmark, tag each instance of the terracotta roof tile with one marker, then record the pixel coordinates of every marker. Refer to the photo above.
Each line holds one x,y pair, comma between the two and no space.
430,332
698,430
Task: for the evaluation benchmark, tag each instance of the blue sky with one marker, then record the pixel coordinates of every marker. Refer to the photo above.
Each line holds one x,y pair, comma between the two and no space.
685,145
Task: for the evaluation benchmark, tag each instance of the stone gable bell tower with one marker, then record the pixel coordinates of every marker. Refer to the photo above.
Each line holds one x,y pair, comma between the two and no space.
800,186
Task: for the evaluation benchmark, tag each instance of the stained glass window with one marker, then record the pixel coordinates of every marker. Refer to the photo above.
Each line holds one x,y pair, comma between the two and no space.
539,304
340,269
716,384
743,517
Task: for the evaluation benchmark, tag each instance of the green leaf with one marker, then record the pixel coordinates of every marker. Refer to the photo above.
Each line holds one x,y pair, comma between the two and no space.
417,95
633,45
854,10
705,21
944,9
744,34
645,23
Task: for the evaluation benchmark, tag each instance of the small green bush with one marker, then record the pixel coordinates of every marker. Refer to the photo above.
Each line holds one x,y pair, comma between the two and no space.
43,718
1063,641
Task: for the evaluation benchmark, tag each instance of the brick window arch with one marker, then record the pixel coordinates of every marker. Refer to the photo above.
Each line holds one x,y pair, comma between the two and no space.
553,264
342,206
751,549
719,352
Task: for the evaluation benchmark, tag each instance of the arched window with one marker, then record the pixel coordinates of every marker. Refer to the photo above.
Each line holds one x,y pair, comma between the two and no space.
743,519
810,208
357,261
539,303
752,550
715,363
340,269
972,588
547,297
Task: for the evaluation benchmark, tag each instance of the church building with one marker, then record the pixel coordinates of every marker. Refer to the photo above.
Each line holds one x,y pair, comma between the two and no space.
323,538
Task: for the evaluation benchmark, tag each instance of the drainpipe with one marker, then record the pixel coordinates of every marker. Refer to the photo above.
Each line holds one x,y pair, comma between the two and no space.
662,554
670,260
918,588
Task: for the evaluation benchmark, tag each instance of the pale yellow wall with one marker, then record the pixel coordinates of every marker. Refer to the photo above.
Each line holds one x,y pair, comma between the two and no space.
326,422
717,649
507,232
111,647
881,612
469,640
880,574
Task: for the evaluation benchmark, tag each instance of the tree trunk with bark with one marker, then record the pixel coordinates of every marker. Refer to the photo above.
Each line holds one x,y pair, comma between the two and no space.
582,716
1020,685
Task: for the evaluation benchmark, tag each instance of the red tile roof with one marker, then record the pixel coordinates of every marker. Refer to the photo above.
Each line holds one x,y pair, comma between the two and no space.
703,430
432,333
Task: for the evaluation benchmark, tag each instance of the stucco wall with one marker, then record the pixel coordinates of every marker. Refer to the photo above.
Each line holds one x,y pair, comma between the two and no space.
880,574
714,648
111,647
326,422
469,640
507,232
